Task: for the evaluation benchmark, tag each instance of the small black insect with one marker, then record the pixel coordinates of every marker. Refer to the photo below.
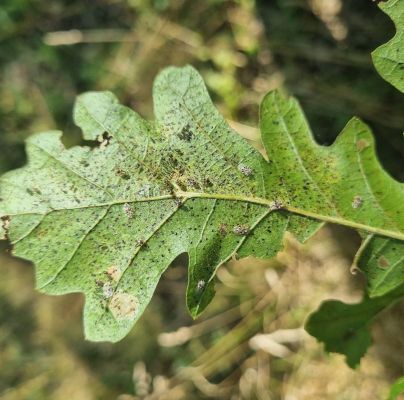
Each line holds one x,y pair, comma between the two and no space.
99,283
140,242
122,174
104,139
207,182
186,133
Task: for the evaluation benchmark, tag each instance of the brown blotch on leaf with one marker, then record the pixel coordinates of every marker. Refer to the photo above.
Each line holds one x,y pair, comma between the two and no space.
41,232
124,306
113,272
383,262
223,229
362,144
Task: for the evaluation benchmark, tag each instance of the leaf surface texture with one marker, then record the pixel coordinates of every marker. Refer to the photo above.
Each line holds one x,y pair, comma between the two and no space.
107,221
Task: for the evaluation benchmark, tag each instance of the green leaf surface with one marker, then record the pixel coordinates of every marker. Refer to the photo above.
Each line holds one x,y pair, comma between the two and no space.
397,389
346,179
382,261
345,328
389,58
107,221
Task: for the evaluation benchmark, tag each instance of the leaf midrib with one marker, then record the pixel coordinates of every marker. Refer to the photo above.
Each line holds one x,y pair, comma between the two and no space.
184,196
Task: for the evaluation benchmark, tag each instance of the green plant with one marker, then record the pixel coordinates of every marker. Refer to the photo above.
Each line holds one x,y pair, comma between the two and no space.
397,389
108,221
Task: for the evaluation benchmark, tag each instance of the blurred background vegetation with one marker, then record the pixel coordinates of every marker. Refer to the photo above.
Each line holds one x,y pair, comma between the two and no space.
250,343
